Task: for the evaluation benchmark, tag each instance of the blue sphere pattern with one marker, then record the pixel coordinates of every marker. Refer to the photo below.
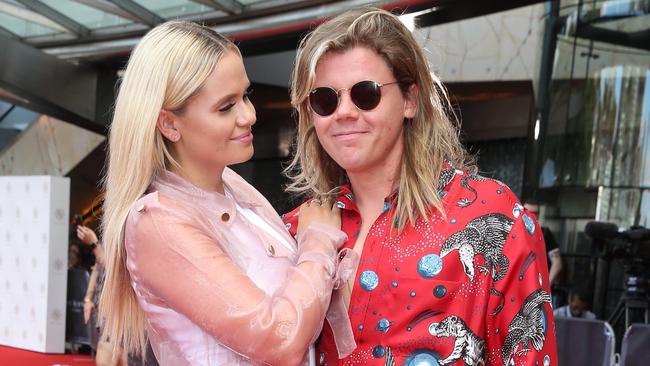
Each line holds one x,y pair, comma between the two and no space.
382,325
422,358
432,328
368,280
439,291
378,351
529,224
429,266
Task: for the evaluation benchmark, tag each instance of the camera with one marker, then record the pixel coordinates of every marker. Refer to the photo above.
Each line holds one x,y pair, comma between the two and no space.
632,249
610,242
77,219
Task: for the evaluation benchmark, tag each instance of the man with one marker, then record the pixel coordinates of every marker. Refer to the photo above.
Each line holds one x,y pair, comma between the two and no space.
552,250
577,307
451,266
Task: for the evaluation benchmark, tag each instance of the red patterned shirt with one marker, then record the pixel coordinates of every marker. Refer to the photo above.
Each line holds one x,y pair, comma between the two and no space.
470,288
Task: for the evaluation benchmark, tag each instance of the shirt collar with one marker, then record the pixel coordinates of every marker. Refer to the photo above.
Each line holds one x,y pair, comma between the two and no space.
346,199
346,196
168,182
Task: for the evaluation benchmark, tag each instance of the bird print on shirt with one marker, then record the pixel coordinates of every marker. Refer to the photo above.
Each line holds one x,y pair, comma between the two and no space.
390,359
446,176
485,236
527,327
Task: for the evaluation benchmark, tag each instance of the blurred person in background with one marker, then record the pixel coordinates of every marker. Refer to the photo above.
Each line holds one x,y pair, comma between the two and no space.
101,343
578,306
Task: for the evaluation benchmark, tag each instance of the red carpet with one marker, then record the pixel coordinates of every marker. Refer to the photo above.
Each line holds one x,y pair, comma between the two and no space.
17,357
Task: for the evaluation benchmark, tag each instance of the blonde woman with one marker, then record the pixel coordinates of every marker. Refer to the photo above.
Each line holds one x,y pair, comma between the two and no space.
452,268
196,258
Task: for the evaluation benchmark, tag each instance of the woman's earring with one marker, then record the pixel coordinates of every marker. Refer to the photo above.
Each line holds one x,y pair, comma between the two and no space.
175,137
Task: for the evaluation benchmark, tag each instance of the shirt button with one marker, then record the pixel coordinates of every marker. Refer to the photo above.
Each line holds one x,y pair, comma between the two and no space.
271,250
225,217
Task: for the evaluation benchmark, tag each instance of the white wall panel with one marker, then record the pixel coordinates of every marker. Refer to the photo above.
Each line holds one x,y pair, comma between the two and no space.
34,215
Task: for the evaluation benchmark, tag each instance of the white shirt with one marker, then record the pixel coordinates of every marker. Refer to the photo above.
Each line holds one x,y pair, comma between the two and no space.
565,312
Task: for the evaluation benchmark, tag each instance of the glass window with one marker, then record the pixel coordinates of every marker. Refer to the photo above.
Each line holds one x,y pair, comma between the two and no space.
86,15
174,8
25,23
260,4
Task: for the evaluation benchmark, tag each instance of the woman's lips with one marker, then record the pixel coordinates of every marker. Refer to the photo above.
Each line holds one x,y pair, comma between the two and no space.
245,138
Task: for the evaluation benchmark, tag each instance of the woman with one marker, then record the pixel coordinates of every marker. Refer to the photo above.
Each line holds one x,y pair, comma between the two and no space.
104,352
195,256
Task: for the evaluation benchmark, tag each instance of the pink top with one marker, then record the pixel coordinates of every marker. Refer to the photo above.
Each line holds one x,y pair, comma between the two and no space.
218,290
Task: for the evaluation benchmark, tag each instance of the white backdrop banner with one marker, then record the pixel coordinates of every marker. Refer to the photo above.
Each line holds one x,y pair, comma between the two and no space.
34,215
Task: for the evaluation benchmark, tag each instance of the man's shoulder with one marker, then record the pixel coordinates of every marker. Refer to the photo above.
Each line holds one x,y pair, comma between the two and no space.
477,193
589,315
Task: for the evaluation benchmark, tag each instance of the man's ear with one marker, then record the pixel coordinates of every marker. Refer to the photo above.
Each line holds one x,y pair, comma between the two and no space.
166,125
411,102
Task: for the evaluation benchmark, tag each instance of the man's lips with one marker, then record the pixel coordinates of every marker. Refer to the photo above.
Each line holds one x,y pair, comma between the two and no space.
348,133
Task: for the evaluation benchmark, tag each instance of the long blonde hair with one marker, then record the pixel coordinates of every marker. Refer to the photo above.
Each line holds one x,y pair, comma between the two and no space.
430,138
167,67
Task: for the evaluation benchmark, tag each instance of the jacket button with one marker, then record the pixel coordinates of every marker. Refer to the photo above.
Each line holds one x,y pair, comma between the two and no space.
225,216
271,250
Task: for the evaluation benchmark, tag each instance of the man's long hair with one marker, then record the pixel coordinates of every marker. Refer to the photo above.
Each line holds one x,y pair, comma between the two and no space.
430,139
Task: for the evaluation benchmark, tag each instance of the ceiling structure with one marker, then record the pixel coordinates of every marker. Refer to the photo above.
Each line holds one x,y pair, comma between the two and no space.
62,57
100,28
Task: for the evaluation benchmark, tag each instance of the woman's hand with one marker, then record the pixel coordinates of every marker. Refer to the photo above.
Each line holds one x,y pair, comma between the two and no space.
86,235
315,211
89,306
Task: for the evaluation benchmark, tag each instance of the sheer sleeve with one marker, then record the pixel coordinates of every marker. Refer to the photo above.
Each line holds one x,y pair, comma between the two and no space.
181,265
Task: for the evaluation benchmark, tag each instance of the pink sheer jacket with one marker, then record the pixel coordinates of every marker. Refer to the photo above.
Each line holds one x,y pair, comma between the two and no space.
218,290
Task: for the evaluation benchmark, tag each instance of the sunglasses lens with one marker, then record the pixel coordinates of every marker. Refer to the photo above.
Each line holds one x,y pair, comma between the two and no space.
323,101
366,94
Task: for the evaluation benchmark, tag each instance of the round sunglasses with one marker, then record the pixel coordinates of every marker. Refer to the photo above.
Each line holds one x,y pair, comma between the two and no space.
364,94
